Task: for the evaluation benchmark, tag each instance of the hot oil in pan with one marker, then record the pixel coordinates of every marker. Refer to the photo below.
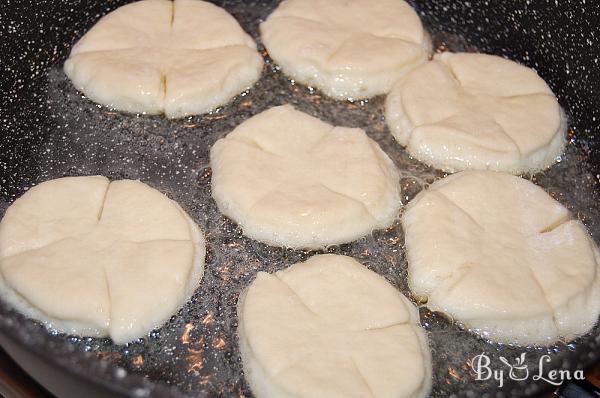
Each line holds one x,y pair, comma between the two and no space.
197,350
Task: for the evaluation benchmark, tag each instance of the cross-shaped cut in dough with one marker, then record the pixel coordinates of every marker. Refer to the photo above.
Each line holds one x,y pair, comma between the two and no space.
498,254
290,179
178,57
350,49
329,327
93,257
477,111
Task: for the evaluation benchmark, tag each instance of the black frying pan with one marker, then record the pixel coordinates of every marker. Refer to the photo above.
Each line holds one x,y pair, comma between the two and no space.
49,130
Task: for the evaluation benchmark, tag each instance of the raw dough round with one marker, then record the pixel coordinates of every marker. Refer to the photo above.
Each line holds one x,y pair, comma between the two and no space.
329,327
179,58
290,179
350,49
91,257
477,111
497,253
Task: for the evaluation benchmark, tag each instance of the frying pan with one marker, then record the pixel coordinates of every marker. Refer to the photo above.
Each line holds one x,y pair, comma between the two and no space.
50,130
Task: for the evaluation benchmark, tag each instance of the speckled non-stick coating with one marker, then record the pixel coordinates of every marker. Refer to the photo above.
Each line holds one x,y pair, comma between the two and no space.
49,130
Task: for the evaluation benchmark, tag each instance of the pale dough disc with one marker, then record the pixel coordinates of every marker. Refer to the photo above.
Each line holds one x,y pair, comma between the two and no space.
180,57
497,253
97,258
349,49
477,111
329,327
290,179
